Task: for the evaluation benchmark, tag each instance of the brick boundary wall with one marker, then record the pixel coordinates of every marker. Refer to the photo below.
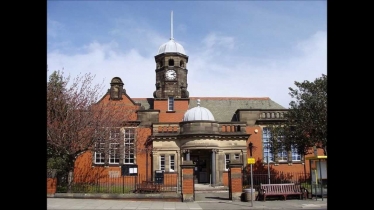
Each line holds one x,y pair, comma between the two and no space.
51,185
187,181
235,180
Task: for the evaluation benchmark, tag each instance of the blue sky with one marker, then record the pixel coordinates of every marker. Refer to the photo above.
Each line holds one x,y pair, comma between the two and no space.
235,48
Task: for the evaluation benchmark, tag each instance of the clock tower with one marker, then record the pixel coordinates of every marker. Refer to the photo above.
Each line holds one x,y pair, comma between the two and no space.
171,69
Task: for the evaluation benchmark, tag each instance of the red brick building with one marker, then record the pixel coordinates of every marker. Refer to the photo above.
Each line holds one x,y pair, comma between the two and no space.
170,127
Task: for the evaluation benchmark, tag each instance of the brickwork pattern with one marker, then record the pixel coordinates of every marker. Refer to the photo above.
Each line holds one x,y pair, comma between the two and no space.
187,185
236,180
51,185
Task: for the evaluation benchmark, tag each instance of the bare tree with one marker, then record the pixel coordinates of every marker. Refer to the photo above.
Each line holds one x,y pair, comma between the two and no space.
75,120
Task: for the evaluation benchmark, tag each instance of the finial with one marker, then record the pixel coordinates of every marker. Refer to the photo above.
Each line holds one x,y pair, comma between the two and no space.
198,102
171,26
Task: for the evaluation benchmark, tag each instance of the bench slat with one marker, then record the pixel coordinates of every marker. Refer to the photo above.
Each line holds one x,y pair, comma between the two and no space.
281,190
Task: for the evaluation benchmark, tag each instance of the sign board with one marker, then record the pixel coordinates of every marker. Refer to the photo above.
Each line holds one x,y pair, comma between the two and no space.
159,176
251,160
129,170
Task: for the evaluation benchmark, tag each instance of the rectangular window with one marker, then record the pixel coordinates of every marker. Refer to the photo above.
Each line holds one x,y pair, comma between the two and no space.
172,163
100,151
266,135
114,139
295,155
281,151
236,156
129,146
227,161
162,162
114,153
114,135
171,104
282,154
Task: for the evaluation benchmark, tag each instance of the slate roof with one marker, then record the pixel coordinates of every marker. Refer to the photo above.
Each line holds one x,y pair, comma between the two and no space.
223,108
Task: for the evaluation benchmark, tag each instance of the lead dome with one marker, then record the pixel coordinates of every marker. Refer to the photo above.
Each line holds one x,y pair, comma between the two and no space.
198,113
171,47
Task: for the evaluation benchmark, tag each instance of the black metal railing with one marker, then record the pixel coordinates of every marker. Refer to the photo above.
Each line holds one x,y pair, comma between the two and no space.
111,184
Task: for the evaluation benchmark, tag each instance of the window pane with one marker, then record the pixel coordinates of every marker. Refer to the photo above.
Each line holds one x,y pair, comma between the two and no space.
236,156
171,104
114,153
128,149
162,162
99,151
172,162
295,155
266,135
282,154
227,161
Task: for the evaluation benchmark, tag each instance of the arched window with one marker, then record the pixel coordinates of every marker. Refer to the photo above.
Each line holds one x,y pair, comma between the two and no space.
171,62
181,64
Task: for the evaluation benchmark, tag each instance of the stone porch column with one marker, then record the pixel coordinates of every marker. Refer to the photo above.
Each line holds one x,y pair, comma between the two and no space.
214,166
155,164
187,153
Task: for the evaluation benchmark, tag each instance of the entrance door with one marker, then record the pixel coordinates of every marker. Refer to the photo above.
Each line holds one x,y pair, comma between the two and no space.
202,161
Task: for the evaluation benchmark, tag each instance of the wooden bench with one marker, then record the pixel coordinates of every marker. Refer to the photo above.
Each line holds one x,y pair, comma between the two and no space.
281,190
148,186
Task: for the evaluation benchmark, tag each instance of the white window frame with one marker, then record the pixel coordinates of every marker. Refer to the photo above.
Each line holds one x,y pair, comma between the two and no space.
282,154
172,163
266,135
227,161
170,103
114,139
100,156
129,145
294,154
162,162
237,156
114,153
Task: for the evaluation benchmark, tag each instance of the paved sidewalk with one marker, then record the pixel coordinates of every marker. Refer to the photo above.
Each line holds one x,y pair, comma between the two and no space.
88,204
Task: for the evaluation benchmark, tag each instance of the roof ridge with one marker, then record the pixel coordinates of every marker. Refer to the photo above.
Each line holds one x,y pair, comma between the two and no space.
223,97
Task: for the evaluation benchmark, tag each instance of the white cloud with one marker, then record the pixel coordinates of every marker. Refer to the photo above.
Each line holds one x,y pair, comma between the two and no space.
105,62
237,77
209,74
54,27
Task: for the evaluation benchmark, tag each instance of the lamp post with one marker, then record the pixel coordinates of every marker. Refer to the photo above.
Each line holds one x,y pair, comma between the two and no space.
250,154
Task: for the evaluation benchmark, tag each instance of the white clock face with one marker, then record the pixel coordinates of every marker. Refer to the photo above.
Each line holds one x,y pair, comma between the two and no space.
170,74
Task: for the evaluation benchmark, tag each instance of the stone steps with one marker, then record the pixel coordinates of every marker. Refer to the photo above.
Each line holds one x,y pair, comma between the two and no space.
201,188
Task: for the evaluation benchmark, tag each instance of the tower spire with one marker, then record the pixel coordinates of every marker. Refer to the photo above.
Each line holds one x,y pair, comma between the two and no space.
171,25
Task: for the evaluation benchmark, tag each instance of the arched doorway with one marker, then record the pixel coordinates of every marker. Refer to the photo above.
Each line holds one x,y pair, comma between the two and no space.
204,188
